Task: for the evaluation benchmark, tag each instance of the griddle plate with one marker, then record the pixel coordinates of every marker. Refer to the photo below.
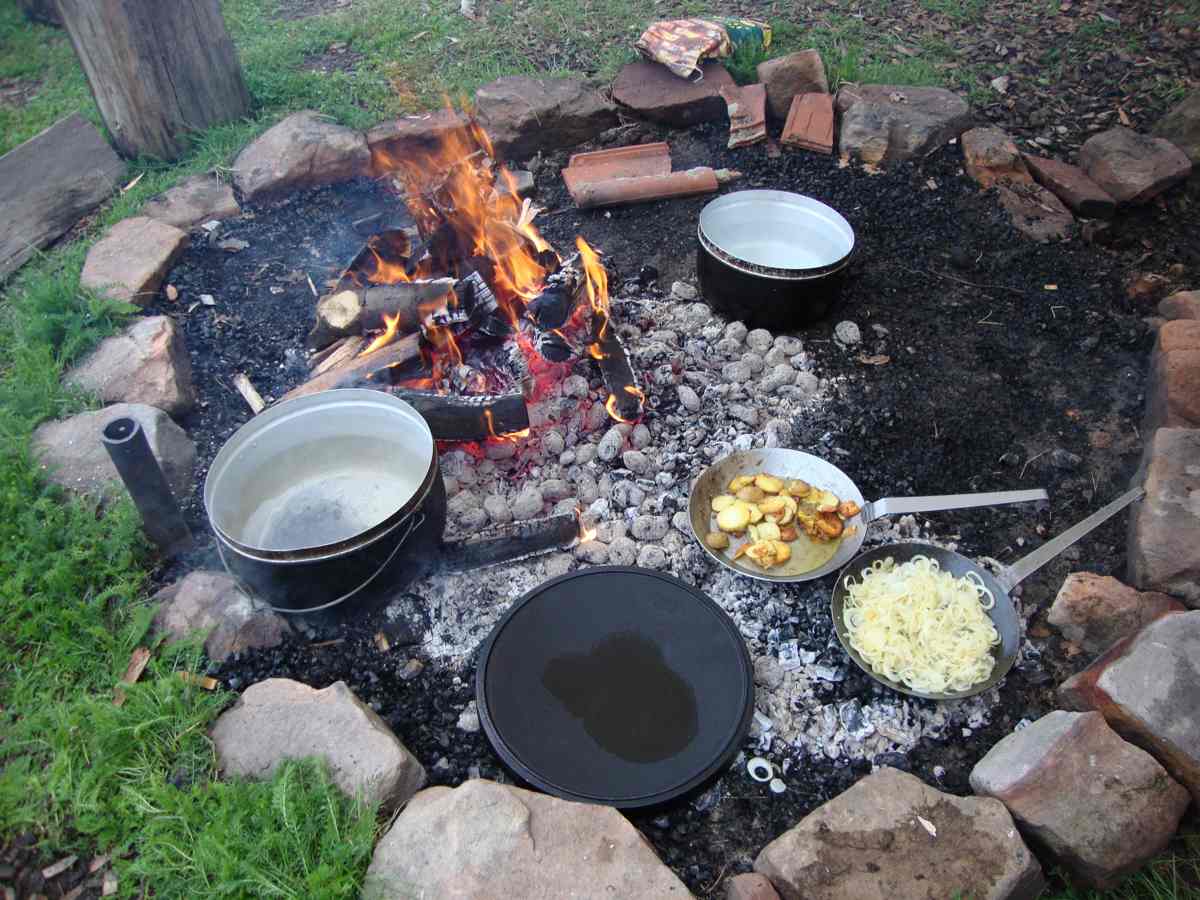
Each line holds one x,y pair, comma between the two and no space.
615,685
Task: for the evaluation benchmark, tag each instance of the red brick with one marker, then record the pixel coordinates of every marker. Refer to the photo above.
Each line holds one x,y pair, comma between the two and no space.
810,123
1082,195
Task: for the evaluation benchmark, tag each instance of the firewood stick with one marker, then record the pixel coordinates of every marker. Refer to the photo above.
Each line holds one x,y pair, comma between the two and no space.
336,354
467,418
252,397
358,371
507,543
618,375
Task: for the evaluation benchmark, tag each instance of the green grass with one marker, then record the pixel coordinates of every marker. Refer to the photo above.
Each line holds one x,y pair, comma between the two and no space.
138,780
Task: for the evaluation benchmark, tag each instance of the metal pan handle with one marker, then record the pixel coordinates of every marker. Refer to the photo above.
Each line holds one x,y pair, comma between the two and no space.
1027,565
890,506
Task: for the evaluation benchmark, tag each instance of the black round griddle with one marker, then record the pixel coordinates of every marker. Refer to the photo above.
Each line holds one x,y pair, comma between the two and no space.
615,685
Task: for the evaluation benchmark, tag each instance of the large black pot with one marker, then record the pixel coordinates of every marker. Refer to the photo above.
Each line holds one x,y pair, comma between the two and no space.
320,500
772,259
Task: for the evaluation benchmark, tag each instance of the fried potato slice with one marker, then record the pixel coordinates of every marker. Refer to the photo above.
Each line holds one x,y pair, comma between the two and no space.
827,501
848,509
782,552
763,553
756,514
751,494
829,525
716,540
767,531
798,489
768,483
723,502
734,518
773,505
788,533
740,482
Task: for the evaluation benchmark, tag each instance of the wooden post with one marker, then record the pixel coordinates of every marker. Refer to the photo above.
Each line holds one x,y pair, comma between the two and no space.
159,69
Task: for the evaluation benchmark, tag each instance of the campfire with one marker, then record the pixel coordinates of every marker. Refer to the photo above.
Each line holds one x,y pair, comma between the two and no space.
468,314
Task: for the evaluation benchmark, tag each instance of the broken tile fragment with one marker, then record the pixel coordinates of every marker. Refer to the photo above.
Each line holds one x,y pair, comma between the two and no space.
810,123
747,108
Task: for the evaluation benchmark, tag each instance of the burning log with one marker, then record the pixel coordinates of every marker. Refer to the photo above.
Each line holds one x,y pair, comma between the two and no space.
352,312
361,370
507,543
467,418
625,397
336,353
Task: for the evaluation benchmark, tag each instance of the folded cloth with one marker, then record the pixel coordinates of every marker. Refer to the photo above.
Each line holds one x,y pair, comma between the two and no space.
680,44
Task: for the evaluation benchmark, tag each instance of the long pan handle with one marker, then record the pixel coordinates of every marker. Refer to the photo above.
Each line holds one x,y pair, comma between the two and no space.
1027,565
889,506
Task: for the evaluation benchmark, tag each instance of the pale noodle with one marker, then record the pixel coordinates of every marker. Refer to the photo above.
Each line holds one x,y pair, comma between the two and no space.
915,624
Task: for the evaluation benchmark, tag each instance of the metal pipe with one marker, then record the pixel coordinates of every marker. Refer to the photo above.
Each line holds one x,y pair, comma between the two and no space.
130,452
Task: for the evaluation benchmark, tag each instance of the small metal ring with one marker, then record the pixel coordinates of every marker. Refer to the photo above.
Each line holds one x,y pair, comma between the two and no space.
760,769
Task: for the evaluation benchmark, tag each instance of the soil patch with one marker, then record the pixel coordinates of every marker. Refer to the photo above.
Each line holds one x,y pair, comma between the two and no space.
16,92
338,57
991,381
302,9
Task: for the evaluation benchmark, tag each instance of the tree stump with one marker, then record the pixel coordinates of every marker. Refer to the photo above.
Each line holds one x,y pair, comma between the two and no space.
158,70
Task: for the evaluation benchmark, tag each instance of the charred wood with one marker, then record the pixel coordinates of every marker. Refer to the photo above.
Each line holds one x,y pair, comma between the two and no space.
336,354
362,370
463,418
367,309
507,543
618,374
553,347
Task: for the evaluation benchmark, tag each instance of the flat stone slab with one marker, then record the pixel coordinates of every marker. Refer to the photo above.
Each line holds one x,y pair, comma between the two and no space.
801,72
1181,126
750,886
130,262
1036,212
809,123
524,115
146,363
1148,689
990,156
1100,806
211,603
892,837
280,719
484,839
884,123
195,200
71,455
1173,388
651,91
411,136
304,150
1096,611
49,183
1069,183
1181,305
1133,168
1164,528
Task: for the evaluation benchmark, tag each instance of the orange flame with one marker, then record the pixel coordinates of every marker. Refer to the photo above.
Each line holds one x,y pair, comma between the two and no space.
386,271
390,325
611,404
506,436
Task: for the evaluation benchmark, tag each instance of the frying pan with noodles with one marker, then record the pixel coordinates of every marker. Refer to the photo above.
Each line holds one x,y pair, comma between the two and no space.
1003,613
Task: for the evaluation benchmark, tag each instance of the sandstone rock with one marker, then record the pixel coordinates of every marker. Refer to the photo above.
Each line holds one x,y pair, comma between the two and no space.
1036,212
280,719
786,76
146,363
484,839
1081,195
71,455
1148,689
407,137
1181,126
197,199
131,260
1164,528
883,123
1096,611
749,886
524,115
869,843
1173,388
211,602
1099,805
1132,167
1181,305
652,92
990,156
304,150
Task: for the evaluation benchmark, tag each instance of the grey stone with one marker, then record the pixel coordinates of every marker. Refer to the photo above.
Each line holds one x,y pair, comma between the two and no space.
556,489
688,398
472,519
743,413
847,334
759,340
303,150
737,372
1095,611
808,383
575,386
553,443
1164,529
883,123
651,528
681,290
749,886
736,331
640,437
558,564
652,556
636,461
212,604
610,445
484,839
1181,126
779,376
1131,167
622,551
1148,689
528,504
755,362
130,262
788,344
682,522
776,357
1099,805
869,843
524,115
727,346
146,363
196,199
281,719
71,455
594,553
468,719
497,509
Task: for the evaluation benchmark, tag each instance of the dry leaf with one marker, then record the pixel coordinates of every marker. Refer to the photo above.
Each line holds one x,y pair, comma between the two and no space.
137,664
204,681
927,825
53,871
1050,287
382,642
877,360
1125,120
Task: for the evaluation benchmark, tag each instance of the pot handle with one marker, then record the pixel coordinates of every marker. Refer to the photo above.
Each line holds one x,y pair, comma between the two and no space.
414,522
890,506
1027,565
